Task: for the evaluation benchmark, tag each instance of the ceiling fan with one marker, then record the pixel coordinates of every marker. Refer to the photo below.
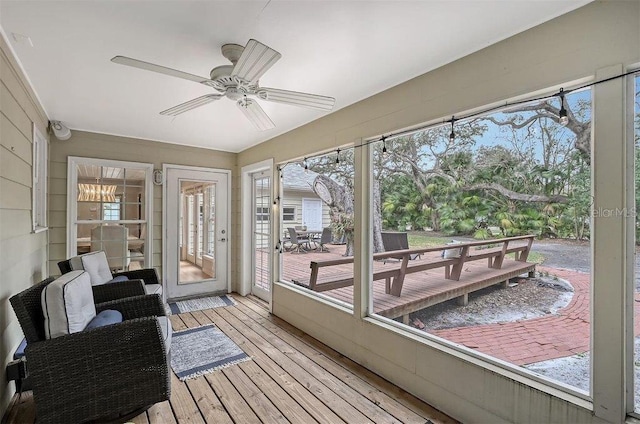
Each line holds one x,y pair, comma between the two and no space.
238,82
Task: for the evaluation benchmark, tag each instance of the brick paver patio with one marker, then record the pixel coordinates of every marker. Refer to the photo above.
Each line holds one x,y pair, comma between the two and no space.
524,342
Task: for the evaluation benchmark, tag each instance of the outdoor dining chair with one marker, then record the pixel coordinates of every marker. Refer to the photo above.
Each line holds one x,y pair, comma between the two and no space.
325,239
297,241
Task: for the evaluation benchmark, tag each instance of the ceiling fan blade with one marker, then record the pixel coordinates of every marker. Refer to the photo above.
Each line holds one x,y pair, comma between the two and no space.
122,60
255,114
297,99
255,60
191,104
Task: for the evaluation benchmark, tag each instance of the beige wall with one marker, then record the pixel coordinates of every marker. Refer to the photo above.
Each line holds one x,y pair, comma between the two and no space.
23,255
91,145
572,47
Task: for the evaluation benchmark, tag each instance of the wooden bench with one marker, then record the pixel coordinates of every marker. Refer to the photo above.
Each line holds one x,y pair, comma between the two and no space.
394,275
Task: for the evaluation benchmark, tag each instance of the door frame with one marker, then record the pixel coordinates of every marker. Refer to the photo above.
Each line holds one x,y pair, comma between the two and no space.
247,215
165,168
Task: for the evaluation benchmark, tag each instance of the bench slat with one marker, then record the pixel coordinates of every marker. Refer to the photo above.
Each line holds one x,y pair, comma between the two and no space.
495,255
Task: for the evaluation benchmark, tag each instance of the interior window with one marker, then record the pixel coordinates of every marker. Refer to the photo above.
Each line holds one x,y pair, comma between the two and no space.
110,212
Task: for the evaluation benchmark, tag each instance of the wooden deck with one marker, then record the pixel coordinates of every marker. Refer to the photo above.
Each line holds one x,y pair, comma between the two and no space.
292,378
420,290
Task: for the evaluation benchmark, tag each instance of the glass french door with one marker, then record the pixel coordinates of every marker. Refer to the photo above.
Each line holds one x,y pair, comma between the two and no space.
198,216
261,235
196,233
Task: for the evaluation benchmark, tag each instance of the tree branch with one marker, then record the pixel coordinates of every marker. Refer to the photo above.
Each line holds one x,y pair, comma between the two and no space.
512,195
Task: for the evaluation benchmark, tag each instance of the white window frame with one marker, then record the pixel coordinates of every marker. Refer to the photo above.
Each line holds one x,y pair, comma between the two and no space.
263,213
284,214
39,190
72,204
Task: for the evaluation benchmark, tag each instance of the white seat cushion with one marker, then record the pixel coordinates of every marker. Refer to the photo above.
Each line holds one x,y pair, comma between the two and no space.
153,289
67,304
167,331
96,264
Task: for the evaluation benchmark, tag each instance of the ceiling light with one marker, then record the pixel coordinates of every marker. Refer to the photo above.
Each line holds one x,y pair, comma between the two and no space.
96,193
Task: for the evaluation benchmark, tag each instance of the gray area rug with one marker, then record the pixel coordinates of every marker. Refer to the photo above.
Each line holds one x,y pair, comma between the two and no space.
199,304
201,350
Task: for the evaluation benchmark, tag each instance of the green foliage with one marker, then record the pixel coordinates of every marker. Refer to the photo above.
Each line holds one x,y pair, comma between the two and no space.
425,179
402,204
342,224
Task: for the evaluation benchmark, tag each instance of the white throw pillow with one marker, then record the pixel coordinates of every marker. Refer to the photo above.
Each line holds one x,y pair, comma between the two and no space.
96,264
67,304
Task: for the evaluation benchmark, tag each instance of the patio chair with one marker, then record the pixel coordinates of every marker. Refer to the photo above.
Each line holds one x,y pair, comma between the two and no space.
110,372
325,238
297,242
102,280
397,240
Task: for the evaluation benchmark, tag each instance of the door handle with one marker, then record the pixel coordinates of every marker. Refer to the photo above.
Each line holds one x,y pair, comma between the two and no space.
223,239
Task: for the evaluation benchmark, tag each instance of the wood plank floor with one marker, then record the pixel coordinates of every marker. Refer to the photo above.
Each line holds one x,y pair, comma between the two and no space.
292,378
190,272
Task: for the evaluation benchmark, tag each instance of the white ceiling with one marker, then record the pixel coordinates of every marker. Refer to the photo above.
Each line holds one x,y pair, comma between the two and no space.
349,50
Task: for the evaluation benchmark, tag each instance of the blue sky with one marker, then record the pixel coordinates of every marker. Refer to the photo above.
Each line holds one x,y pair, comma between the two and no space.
496,135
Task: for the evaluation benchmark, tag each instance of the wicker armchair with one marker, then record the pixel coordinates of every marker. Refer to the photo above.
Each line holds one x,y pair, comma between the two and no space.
111,372
108,291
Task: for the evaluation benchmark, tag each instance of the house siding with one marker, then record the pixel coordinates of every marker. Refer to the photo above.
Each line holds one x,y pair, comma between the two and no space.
23,254
294,199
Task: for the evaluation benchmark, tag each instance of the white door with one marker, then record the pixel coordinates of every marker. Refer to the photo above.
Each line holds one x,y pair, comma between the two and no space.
261,281
196,233
312,214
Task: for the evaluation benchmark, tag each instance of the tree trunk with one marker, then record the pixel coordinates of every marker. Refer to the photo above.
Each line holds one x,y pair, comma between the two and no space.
340,200
333,194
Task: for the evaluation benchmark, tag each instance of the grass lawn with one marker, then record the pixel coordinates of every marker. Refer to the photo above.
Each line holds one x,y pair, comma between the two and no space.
418,240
